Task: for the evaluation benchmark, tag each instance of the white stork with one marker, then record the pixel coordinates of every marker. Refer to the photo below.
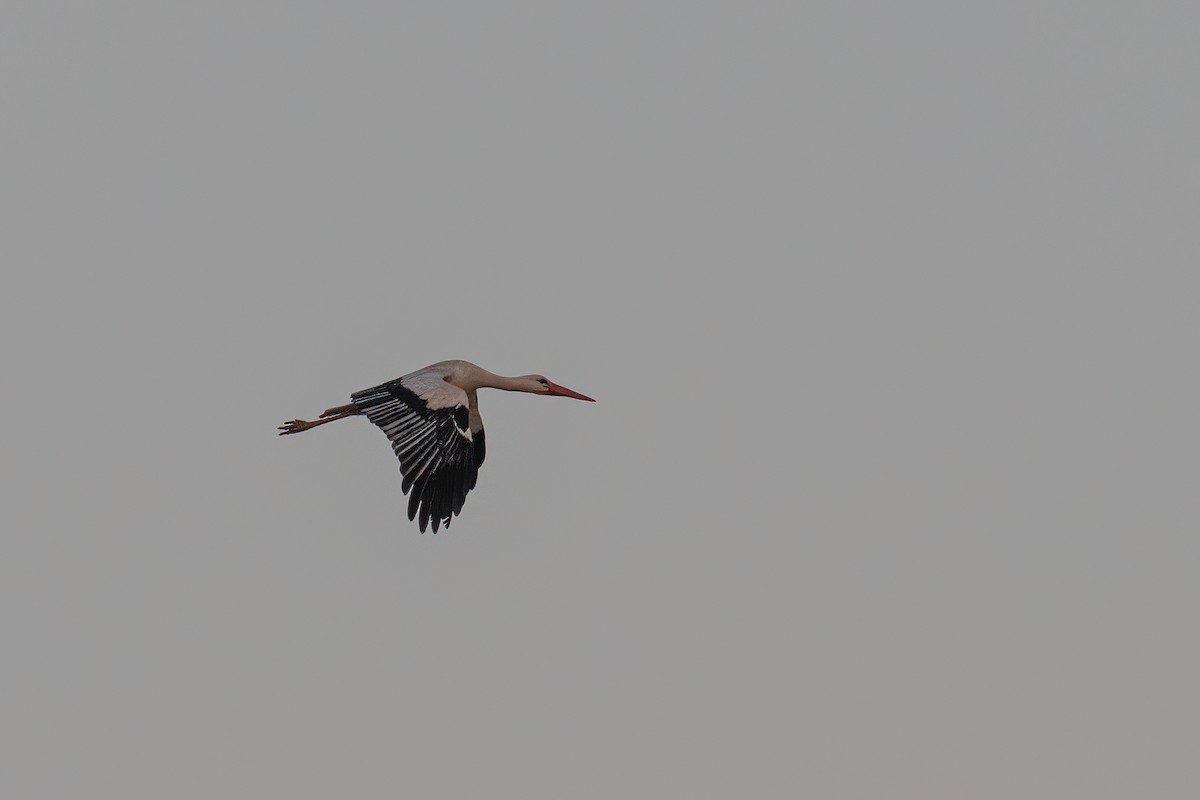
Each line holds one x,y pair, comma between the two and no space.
432,418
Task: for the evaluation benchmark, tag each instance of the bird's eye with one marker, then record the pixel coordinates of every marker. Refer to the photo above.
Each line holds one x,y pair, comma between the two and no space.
543,382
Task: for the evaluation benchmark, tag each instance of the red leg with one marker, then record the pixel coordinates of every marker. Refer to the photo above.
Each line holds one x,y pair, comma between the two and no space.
299,425
329,412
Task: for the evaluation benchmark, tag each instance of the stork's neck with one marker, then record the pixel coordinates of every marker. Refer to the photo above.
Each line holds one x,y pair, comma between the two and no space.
509,384
480,378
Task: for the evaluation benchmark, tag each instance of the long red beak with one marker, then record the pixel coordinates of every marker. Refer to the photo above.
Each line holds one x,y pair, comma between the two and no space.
563,391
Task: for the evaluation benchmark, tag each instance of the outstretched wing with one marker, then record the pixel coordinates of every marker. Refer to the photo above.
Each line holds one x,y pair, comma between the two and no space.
428,423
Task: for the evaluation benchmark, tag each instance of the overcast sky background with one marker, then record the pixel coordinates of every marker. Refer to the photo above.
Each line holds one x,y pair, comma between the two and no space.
890,310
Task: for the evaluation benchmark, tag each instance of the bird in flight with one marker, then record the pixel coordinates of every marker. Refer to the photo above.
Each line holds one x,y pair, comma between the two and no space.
432,418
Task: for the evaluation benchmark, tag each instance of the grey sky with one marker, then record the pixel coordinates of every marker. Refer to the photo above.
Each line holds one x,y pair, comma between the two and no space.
890,313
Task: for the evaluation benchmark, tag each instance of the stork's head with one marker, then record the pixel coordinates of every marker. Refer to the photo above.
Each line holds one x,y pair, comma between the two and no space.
540,384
